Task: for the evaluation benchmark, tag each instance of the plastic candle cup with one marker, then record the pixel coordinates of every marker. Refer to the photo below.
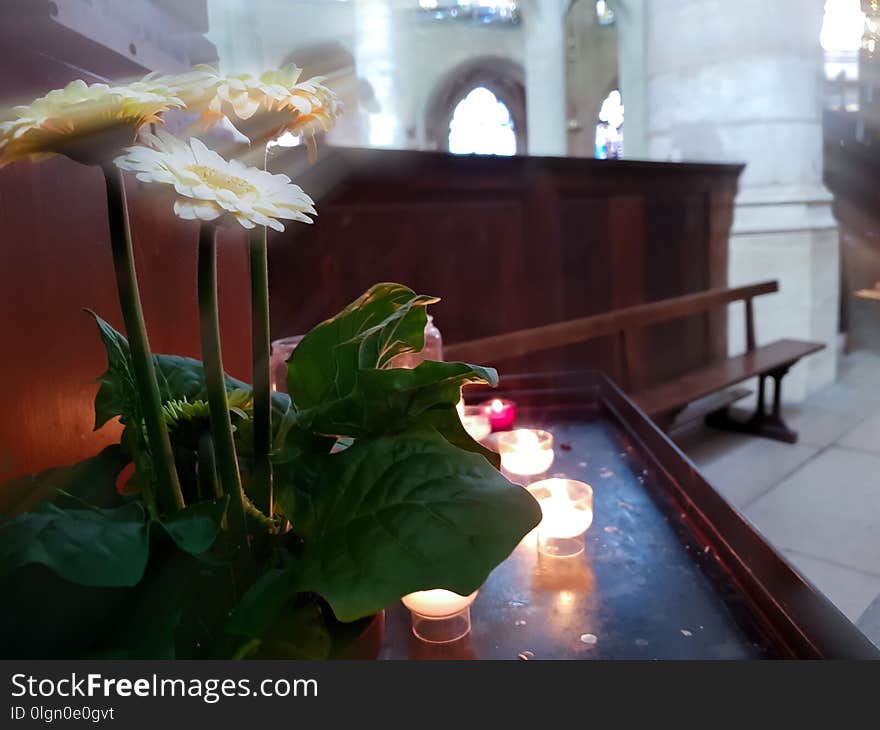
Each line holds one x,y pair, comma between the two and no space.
475,422
567,513
501,413
439,616
525,453
280,354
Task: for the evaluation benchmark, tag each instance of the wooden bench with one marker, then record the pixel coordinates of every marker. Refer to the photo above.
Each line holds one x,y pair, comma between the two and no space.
665,401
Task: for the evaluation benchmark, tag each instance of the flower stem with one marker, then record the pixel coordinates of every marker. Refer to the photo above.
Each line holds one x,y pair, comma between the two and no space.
263,493
215,381
169,495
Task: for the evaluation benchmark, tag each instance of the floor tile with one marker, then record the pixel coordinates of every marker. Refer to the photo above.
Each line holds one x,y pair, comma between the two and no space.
846,398
703,444
869,621
861,369
743,468
850,590
829,509
865,436
818,426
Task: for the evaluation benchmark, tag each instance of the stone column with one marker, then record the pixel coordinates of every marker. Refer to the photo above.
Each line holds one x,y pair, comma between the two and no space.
544,24
375,63
740,81
629,16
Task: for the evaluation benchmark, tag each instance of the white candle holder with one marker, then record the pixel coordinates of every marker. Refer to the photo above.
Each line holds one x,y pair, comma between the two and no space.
566,514
475,422
439,616
526,453
280,353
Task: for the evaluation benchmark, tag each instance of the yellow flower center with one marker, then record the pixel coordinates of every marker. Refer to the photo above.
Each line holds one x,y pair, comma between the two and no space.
215,179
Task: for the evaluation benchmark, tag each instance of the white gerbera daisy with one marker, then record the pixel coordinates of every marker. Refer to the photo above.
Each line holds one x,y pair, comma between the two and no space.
209,186
86,122
284,103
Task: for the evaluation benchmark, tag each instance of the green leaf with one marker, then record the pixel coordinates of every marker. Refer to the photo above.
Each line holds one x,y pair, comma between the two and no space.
92,547
195,528
93,481
385,401
448,423
178,377
387,320
297,629
392,515
262,604
176,611
117,395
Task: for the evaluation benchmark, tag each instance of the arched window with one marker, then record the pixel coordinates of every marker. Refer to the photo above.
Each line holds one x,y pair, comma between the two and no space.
609,130
604,13
842,34
481,124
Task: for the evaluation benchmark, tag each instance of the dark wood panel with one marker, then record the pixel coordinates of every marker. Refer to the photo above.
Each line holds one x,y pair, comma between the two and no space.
508,243
56,260
310,279
512,243
510,345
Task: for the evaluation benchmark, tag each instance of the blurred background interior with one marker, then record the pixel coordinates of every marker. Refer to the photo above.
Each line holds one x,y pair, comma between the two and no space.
708,144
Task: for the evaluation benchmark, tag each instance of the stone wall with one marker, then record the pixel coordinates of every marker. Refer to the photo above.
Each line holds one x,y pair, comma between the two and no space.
741,82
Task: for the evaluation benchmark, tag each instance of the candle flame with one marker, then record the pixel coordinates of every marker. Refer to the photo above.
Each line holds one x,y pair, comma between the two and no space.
497,405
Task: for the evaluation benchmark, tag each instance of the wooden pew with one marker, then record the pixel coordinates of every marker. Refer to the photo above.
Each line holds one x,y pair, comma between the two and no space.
664,401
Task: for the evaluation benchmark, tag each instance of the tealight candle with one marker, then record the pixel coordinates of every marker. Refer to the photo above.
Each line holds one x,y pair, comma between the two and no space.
567,513
281,351
475,422
526,452
439,616
501,413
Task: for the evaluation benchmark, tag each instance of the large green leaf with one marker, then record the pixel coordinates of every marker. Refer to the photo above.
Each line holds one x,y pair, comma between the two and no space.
387,320
263,602
92,547
195,528
92,481
447,422
179,378
385,401
177,610
279,623
392,515
117,395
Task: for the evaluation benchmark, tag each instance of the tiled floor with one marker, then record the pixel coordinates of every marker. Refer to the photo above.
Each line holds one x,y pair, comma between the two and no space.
817,501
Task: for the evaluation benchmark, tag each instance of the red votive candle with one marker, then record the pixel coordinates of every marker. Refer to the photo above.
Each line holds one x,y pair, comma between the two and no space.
501,413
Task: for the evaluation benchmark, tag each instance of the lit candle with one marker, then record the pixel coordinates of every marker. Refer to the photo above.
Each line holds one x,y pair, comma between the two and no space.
567,513
438,615
501,413
475,422
526,451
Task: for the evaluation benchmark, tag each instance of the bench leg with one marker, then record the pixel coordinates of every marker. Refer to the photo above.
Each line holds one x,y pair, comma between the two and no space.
666,420
769,425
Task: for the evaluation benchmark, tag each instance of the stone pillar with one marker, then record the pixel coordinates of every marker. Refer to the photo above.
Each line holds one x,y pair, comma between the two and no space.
629,16
374,56
740,81
544,24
